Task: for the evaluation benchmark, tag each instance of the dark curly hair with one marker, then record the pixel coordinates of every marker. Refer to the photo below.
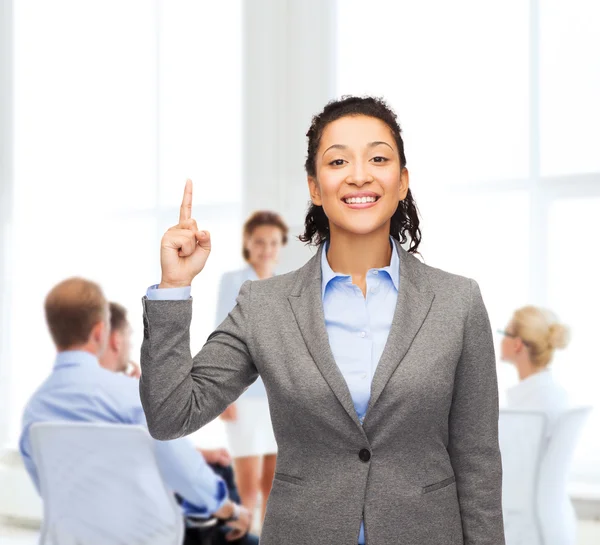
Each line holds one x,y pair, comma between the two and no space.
405,221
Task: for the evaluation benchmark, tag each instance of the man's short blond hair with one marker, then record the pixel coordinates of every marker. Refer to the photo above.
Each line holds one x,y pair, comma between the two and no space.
73,308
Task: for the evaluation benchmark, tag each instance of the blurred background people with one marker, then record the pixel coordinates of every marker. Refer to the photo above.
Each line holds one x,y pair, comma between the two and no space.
248,422
80,390
530,339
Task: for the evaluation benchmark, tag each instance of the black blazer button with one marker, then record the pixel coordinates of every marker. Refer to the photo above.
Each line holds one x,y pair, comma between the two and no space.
364,455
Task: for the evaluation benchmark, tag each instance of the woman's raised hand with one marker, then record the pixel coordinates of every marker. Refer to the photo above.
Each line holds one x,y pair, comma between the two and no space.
183,248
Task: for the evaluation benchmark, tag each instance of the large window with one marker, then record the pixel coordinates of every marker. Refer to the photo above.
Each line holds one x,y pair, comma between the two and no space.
117,102
499,106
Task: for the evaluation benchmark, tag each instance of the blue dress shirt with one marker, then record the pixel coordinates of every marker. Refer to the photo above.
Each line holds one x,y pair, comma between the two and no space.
79,390
357,326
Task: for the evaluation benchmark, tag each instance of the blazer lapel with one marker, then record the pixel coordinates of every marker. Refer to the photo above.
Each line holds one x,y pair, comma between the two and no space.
307,304
412,306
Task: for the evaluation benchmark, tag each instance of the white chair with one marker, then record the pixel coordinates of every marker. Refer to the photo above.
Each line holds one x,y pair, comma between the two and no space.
101,486
556,513
522,436
536,463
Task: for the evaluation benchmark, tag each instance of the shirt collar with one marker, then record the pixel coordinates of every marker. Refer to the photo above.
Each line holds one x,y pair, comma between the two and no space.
75,357
327,273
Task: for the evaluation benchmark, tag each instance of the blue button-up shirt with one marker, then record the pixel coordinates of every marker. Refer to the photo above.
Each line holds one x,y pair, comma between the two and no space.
79,390
357,326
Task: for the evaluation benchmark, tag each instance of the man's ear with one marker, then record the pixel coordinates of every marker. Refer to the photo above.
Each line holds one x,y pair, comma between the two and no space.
98,332
404,182
115,340
315,192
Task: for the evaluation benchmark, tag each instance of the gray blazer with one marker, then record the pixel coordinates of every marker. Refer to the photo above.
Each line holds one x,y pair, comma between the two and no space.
423,469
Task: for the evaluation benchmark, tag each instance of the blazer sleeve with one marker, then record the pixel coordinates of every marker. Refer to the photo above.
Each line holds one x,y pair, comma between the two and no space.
180,394
473,431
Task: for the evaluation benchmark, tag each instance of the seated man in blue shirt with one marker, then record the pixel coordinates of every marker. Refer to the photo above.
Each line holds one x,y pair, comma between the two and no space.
116,358
78,389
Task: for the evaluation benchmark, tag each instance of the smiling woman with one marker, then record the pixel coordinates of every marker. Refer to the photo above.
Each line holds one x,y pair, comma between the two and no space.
379,370
345,169
363,158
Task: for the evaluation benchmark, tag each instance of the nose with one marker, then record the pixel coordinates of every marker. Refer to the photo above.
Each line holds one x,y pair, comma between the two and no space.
359,176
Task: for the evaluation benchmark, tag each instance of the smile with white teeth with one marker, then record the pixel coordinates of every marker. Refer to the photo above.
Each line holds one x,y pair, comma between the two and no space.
360,200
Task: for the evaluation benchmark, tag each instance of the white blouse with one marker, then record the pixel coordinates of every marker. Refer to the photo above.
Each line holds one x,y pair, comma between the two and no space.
539,392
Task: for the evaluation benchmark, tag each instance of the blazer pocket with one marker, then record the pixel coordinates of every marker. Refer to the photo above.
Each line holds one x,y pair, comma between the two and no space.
289,479
437,486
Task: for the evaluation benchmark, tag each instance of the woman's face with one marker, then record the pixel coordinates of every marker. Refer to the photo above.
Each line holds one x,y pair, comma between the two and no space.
508,345
264,245
359,180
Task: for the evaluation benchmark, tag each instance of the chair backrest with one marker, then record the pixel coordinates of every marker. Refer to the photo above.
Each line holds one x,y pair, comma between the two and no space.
522,439
101,485
556,513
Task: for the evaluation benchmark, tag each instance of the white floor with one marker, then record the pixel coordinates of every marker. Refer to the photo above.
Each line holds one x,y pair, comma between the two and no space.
589,534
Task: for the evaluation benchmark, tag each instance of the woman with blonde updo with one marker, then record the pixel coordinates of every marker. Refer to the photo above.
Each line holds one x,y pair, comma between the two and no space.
530,340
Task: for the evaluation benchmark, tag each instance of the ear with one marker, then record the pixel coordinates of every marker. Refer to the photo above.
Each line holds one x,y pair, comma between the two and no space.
98,332
315,192
115,340
404,181
519,345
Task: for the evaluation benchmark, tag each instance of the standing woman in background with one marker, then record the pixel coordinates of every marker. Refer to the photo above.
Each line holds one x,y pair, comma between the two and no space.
248,422
380,370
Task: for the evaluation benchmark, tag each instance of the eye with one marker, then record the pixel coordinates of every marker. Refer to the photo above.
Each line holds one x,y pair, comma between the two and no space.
337,163
380,159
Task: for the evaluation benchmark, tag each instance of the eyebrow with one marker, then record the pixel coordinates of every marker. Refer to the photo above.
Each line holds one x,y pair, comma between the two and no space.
369,145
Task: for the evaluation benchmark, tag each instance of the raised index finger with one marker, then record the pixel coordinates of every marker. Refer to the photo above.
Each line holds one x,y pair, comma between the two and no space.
185,212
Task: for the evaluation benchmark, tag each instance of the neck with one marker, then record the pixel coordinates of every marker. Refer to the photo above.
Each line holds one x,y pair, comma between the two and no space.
88,347
110,364
263,271
355,255
525,368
